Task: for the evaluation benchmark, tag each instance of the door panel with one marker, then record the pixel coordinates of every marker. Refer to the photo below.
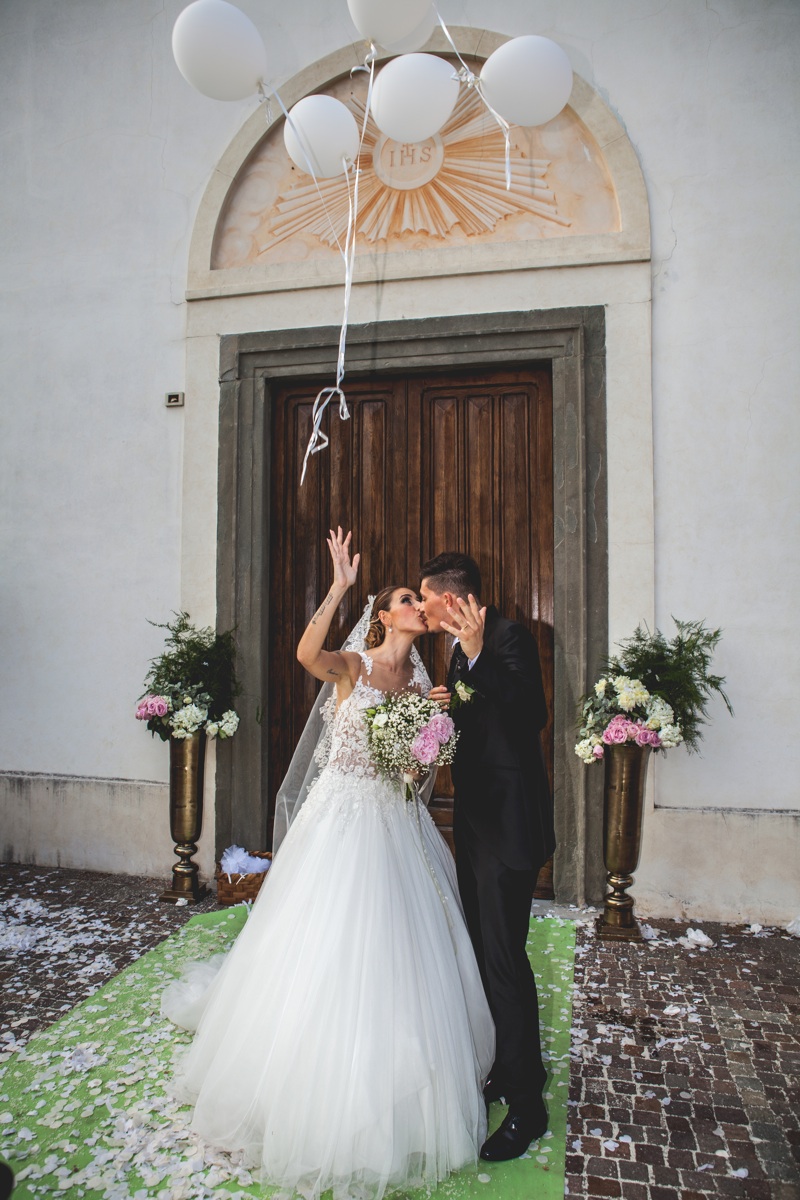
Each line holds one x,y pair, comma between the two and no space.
425,463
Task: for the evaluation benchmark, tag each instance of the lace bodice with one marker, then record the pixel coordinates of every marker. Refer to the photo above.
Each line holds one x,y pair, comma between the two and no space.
349,752
349,748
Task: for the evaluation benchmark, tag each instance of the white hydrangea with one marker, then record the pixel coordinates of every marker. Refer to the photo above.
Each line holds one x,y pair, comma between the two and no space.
659,713
187,720
670,736
585,749
600,687
630,692
229,723
212,729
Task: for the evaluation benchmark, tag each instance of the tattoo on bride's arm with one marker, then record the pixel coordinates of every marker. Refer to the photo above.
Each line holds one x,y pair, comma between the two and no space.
325,604
331,671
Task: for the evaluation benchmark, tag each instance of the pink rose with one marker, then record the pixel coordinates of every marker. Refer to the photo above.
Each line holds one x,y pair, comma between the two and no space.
141,711
615,734
442,728
598,752
159,706
425,746
647,737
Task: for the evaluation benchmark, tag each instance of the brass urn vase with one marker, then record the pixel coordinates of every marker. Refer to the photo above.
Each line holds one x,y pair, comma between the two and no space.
186,771
623,808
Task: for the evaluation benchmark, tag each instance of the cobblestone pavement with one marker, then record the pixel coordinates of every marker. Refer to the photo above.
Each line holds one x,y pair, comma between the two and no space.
685,1079
64,933
685,1075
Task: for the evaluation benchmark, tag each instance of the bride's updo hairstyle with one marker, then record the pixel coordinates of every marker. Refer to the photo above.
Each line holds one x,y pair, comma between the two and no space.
377,630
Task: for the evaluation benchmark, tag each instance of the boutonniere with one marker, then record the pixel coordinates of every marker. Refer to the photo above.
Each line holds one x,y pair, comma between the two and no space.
462,694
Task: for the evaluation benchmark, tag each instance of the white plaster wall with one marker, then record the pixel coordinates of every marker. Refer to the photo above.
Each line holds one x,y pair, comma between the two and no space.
109,499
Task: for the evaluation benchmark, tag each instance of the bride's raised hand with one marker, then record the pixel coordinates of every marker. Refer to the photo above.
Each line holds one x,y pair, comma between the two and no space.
344,571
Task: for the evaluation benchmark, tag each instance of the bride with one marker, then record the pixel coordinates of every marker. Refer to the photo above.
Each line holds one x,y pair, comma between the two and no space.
344,1042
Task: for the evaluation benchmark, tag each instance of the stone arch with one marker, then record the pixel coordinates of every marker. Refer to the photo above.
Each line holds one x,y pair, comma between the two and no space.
626,239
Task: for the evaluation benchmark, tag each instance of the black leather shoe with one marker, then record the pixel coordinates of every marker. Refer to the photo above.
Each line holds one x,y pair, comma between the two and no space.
492,1091
524,1123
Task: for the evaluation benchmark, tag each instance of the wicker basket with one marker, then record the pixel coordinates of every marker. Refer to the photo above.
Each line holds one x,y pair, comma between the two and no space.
233,889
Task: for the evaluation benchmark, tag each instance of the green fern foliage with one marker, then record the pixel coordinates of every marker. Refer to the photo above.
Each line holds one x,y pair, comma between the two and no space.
195,660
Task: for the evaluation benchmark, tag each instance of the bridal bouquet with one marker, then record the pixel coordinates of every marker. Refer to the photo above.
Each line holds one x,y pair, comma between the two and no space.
408,734
654,693
192,685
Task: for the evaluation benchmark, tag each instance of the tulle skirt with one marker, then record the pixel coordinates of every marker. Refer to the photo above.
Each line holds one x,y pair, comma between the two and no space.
343,1041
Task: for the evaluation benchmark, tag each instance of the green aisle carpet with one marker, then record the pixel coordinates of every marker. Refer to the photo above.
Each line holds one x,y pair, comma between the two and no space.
83,1109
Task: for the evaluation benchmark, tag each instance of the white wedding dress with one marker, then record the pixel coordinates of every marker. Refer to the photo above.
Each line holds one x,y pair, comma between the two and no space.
344,1041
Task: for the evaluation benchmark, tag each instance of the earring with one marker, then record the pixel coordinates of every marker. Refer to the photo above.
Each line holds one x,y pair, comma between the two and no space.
390,629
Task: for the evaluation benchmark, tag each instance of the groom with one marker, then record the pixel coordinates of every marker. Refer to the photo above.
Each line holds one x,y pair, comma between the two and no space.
502,826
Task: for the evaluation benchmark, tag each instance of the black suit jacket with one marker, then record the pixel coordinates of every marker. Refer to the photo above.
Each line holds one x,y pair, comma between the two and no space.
502,794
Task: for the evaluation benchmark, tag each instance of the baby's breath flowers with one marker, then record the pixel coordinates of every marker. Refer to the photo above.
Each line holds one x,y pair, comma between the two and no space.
408,734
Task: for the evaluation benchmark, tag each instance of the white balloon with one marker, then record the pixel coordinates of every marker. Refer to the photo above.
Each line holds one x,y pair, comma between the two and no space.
387,21
413,96
320,134
417,38
527,80
218,50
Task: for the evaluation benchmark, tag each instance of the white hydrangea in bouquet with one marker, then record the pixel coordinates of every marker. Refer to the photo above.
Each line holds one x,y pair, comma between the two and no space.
654,693
408,735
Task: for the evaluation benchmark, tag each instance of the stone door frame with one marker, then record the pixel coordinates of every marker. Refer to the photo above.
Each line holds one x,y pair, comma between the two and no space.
251,364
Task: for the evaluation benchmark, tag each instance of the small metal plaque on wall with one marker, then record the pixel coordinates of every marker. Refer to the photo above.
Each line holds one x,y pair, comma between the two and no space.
174,399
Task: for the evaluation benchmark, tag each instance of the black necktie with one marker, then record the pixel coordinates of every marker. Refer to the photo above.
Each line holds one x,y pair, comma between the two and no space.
459,657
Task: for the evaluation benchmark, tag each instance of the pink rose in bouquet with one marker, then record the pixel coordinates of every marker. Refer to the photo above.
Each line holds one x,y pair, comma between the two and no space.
442,728
425,746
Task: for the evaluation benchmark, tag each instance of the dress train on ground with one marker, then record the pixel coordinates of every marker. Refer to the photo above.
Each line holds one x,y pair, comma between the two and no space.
343,1042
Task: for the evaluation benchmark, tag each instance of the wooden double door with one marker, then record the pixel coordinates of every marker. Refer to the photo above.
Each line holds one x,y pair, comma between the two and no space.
425,463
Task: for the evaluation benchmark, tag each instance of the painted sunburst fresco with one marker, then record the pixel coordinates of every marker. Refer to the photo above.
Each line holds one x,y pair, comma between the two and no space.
455,179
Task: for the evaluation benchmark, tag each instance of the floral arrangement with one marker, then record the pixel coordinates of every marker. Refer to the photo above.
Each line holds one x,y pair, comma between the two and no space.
653,693
192,684
408,734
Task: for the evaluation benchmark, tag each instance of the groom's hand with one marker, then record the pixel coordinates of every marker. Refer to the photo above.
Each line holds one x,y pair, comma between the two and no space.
440,695
466,623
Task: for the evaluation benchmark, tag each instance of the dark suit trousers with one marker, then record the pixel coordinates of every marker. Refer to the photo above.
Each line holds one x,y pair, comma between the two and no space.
497,906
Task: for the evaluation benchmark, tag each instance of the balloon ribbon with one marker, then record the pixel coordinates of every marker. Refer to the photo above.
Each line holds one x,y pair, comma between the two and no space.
318,439
471,80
